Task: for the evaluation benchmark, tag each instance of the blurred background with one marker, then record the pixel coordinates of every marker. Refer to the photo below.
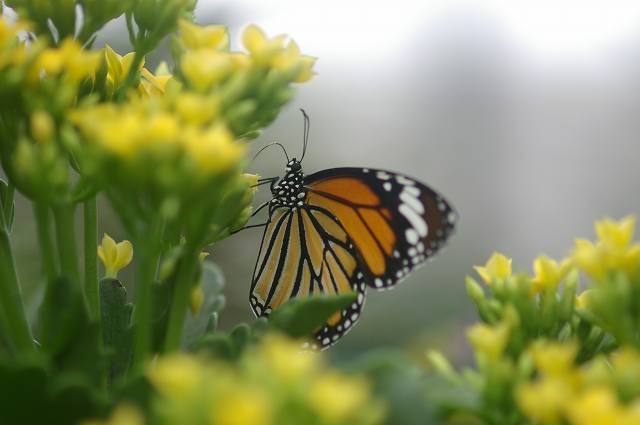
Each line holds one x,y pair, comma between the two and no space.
524,114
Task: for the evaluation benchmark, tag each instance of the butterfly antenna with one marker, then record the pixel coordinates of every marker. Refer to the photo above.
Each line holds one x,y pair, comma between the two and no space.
268,146
305,135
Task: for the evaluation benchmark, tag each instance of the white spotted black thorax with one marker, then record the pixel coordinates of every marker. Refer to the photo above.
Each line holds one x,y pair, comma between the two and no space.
289,191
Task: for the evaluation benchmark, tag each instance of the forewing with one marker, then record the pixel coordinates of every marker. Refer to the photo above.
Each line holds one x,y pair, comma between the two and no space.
395,222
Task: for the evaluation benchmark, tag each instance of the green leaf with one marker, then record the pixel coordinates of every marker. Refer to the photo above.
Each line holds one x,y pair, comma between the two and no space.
30,395
300,318
66,335
212,283
116,325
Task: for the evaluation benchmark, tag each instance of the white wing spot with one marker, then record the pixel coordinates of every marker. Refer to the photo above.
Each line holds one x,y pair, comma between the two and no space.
378,282
414,203
382,175
387,186
326,341
417,222
412,236
404,181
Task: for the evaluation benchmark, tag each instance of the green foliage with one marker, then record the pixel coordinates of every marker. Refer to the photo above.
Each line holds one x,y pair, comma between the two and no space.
116,326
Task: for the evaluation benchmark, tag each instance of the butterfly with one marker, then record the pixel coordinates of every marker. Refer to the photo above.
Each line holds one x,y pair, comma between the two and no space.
343,230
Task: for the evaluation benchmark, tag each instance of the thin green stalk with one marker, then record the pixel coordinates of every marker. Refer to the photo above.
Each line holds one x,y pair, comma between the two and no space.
17,326
91,288
181,293
148,249
41,213
66,240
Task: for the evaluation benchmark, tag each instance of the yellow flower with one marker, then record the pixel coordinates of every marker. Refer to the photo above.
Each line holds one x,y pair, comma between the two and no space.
122,415
176,376
498,267
243,406
118,67
597,406
151,84
68,59
197,109
285,358
553,358
337,398
203,37
290,57
544,401
114,256
204,68
489,341
548,273
214,149
586,257
42,126
257,43
616,233
612,251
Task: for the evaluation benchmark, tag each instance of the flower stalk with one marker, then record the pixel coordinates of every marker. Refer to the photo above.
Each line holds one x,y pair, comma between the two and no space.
91,288
13,313
47,250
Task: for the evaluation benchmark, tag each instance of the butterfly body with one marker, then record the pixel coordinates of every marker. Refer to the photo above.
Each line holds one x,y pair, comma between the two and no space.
343,230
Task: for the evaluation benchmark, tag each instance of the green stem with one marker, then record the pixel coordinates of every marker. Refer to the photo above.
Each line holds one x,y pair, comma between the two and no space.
91,288
148,248
66,240
41,213
17,326
181,293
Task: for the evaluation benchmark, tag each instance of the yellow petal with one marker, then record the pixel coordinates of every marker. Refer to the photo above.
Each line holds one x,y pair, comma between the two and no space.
253,39
617,233
498,267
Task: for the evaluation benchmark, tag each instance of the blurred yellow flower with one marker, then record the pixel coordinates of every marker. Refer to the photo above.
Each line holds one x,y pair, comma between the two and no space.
153,85
242,406
42,126
548,273
498,267
597,406
176,376
285,358
69,59
257,43
554,358
203,68
196,37
616,233
114,256
213,149
489,341
290,58
122,415
337,397
613,250
544,401
197,109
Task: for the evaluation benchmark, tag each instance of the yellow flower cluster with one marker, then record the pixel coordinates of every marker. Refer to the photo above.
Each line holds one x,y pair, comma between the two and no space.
148,131
581,395
613,249
68,60
206,60
275,383
119,67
